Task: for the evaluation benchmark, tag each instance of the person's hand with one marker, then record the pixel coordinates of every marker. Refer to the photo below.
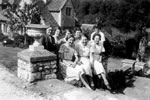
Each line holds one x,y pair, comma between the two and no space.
79,63
73,65
100,60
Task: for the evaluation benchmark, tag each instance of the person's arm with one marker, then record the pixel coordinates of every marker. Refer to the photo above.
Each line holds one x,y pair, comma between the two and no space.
92,36
61,50
76,58
92,55
100,58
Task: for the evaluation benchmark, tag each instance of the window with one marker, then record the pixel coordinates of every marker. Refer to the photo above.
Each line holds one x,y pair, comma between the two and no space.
68,11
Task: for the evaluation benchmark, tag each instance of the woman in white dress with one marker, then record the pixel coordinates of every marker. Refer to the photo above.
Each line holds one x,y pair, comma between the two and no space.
69,57
83,50
96,58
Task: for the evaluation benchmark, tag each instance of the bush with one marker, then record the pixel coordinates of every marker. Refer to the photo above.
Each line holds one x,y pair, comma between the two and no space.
118,45
20,39
2,37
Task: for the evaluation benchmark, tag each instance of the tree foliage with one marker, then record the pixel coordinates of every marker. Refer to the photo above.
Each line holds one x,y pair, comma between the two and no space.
21,15
126,15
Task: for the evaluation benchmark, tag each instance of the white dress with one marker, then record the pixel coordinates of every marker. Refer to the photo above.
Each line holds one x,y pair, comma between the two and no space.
97,65
84,54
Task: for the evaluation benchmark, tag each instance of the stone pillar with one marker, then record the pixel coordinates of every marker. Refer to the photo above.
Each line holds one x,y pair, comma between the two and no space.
36,63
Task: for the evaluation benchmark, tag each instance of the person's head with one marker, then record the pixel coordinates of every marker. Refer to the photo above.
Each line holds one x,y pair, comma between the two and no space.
97,38
96,29
78,34
84,39
49,31
57,31
70,39
67,32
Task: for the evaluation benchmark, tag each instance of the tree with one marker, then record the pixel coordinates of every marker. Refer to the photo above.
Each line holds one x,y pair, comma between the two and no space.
23,14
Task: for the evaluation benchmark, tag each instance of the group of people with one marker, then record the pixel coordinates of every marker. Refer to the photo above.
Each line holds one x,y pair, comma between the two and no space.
81,56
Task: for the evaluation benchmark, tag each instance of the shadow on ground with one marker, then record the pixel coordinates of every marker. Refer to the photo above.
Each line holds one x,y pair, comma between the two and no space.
119,80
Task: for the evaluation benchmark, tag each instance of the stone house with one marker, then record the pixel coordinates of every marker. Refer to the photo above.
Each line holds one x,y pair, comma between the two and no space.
4,25
59,13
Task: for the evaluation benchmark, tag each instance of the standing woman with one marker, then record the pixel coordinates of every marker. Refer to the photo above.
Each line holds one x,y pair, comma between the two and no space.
96,59
56,35
70,59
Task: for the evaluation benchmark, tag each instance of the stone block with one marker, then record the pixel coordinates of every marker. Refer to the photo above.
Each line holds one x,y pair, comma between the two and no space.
50,76
54,66
47,63
34,76
22,74
28,76
54,71
140,65
40,69
47,72
128,63
53,62
47,67
27,66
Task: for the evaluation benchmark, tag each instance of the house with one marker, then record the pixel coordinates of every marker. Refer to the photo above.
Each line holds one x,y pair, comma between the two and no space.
4,25
61,13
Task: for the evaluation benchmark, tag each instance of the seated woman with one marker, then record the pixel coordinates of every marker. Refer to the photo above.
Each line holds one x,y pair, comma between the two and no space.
95,57
69,57
83,50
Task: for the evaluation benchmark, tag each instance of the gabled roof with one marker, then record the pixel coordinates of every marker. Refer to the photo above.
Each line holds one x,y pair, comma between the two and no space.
48,18
10,1
56,5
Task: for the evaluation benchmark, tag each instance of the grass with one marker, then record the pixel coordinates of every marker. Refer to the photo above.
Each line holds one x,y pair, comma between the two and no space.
8,57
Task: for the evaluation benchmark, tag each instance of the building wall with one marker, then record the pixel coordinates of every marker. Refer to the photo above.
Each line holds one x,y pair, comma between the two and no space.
67,21
4,28
57,17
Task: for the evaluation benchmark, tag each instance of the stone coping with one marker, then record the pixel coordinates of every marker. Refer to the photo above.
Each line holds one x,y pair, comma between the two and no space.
140,63
128,61
37,26
36,56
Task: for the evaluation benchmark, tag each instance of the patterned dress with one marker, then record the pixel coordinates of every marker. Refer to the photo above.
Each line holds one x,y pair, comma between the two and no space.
68,56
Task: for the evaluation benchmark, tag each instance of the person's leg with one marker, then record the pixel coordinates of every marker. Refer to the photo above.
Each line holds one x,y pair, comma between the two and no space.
84,81
105,81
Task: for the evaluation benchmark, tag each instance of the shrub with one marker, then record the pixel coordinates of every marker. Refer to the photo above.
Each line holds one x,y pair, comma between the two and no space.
18,39
2,37
118,45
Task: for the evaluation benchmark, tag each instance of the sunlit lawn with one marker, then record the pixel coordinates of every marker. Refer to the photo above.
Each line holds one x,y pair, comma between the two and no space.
8,57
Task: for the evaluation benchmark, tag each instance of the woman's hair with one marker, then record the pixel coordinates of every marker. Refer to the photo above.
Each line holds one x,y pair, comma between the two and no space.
96,35
70,36
57,28
85,35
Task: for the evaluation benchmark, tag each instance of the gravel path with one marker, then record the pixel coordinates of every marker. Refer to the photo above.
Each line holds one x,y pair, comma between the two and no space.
10,92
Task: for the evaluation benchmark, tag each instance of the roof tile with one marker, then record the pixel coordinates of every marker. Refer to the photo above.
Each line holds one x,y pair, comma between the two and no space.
56,5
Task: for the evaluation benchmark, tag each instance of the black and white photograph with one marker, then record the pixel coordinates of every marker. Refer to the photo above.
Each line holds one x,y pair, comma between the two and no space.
74,49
